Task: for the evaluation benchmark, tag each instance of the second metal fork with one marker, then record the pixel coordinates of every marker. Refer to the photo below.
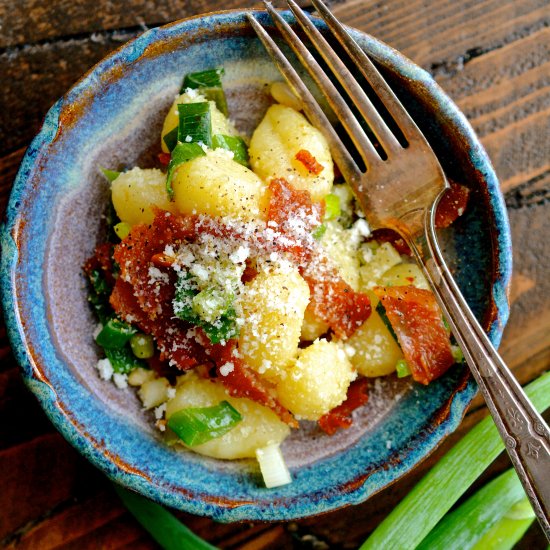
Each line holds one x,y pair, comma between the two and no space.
400,190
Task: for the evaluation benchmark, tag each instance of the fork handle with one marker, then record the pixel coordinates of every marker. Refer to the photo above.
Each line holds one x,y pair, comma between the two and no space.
525,433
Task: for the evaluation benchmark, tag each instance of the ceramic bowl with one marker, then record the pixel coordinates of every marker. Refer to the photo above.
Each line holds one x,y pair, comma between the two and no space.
112,117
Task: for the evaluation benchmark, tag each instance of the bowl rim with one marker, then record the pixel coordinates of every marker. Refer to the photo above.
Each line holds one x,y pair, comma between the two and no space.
125,474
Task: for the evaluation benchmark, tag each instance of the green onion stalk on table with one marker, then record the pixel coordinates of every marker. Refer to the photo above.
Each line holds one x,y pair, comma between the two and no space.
494,518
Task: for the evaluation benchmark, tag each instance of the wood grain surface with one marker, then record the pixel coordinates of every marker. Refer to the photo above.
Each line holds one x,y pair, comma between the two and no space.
491,56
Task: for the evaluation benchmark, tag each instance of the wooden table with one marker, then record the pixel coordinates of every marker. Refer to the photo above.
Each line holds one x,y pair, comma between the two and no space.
493,59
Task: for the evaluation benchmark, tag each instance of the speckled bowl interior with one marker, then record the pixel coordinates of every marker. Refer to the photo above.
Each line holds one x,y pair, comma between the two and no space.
112,118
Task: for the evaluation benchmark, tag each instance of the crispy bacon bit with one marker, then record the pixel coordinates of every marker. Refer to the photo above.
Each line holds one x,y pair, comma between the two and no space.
164,158
244,382
163,260
309,161
287,206
386,235
340,417
418,324
452,205
335,302
102,262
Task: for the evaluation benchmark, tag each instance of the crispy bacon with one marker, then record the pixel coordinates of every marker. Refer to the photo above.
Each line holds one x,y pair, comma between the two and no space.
340,417
309,162
452,205
418,324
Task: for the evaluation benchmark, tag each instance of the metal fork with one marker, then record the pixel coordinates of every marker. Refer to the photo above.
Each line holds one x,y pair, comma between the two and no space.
401,192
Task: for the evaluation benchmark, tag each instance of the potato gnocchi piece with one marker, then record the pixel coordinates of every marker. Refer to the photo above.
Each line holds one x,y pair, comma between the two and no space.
218,186
312,326
259,426
273,306
274,145
403,275
376,351
136,191
384,257
153,392
317,382
220,124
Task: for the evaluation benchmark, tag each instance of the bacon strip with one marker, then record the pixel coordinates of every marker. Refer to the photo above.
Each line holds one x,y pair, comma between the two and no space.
310,163
452,205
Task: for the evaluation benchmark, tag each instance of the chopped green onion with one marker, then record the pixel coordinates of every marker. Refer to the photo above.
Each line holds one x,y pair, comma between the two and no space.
122,230
111,175
223,329
142,346
183,152
115,334
209,83
123,360
465,526
273,467
163,526
402,368
186,290
319,231
430,499
171,138
197,425
210,304
332,207
381,310
195,124
99,283
234,144
458,356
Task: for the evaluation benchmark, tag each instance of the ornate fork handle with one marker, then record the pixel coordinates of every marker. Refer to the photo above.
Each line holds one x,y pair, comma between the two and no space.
525,433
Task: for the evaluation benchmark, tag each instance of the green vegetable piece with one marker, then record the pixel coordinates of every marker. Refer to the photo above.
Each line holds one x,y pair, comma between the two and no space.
209,83
195,124
163,526
458,356
111,175
234,144
319,231
99,283
332,207
143,346
484,517
381,310
211,304
223,329
122,230
402,368
115,334
123,360
186,290
197,425
101,307
183,152
432,497
171,138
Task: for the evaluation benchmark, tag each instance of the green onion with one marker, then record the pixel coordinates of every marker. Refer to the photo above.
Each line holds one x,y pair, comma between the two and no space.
273,466
402,368
122,230
332,207
223,329
143,346
234,144
195,124
381,310
115,334
430,499
319,231
209,83
111,175
197,425
123,360
163,526
470,522
458,356
99,296
171,138
183,152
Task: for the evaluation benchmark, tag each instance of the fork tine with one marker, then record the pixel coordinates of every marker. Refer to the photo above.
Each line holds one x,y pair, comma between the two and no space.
317,117
336,101
347,80
370,72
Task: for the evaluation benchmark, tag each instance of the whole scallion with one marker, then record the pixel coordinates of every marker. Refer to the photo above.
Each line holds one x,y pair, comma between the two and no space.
433,496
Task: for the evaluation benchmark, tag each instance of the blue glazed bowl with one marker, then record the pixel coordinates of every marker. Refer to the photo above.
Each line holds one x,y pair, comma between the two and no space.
112,117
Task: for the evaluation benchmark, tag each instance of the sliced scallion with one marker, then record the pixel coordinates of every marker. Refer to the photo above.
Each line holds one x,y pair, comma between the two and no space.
115,334
143,346
402,368
332,206
273,466
197,425
234,144
183,152
195,123
319,231
122,230
458,356
431,498
381,310
223,329
209,83
123,360
171,138
111,175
